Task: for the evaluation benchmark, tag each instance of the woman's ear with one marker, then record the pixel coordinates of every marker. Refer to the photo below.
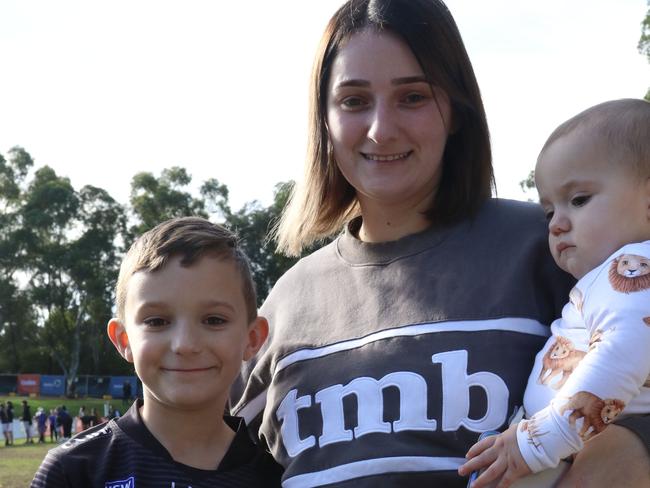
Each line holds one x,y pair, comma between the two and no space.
258,331
118,336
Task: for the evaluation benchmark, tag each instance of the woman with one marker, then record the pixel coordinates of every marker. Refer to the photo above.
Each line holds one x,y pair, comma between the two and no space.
395,345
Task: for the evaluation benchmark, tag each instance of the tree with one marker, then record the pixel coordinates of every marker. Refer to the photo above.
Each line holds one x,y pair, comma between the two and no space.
71,264
253,223
644,41
154,200
17,324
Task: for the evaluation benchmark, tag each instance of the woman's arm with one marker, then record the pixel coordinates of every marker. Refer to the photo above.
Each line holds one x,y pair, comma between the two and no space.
616,457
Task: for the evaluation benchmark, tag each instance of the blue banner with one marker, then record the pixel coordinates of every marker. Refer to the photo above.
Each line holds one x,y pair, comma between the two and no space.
52,385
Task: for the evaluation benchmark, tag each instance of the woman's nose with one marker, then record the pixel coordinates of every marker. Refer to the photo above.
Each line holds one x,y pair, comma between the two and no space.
382,126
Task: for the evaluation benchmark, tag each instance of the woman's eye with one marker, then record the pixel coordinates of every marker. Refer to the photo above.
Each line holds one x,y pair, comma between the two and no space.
155,322
213,320
414,98
580,200
353,102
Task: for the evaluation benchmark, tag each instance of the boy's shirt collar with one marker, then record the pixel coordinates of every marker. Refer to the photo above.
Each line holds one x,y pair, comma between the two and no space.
242,447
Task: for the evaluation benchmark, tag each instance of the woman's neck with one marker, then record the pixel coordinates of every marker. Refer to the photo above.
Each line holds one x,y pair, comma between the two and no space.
381,223
199,438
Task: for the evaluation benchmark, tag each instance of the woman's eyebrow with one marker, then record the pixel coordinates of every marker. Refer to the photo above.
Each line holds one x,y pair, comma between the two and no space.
405,80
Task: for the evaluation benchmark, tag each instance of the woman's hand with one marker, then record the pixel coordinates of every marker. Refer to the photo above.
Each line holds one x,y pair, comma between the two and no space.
500,455
615,457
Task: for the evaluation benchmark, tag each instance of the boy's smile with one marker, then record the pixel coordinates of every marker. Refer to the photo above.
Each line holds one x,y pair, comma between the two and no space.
187,332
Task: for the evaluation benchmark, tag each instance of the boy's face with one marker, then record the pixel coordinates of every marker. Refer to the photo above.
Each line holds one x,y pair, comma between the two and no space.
187,332
594,205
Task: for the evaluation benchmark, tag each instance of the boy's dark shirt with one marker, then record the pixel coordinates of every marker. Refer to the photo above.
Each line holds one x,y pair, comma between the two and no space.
123,450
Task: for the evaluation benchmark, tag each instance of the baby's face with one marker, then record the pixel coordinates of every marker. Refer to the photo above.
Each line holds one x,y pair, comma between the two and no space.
187,331
594,205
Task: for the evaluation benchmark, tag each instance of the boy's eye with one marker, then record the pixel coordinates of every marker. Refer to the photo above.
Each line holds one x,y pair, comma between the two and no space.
580,200
214,320
155,322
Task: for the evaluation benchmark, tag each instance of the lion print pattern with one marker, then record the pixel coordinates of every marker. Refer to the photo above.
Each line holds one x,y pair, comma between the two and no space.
594,412
561,358
630,273
575,297
531,427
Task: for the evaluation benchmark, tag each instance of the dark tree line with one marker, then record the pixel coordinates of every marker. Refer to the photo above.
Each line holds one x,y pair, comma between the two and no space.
60,250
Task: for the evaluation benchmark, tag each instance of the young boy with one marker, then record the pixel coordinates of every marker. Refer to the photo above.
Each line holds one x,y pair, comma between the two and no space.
186,318
593,178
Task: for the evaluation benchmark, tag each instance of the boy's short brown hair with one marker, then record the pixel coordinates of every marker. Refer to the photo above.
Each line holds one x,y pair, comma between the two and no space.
191,238
622,127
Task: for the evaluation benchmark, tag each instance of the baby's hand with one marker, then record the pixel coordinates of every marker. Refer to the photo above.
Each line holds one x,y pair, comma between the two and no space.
500,455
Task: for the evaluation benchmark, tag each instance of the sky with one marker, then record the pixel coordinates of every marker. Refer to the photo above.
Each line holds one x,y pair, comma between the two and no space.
100,91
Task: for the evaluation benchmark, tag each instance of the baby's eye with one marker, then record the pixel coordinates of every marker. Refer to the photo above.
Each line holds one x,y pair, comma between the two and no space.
214,320
155,322
580,200
548,214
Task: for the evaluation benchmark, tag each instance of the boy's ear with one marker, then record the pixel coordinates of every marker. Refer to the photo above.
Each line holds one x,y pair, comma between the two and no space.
258,331
118,336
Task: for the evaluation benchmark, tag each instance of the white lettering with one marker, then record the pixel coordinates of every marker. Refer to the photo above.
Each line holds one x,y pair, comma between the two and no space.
287,414
455,392
413,395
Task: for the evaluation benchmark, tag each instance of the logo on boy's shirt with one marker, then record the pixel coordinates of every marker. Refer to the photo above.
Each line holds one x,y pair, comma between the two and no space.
127,483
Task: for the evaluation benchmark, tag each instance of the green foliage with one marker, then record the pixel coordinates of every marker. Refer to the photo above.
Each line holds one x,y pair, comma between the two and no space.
644,41
154,200
60,250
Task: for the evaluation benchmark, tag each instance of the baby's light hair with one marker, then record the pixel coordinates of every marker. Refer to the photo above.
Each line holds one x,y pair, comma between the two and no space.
622,127
190,238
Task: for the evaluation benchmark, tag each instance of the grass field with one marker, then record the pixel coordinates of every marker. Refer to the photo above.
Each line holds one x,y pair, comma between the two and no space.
18,463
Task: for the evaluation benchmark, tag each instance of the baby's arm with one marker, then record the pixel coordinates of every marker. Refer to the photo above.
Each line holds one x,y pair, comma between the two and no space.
500,457
609,375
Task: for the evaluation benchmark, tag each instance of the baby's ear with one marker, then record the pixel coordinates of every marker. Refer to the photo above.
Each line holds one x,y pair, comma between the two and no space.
647,195
258,331
118,336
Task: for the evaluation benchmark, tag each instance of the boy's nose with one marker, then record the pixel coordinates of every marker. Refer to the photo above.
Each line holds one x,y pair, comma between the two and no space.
186,340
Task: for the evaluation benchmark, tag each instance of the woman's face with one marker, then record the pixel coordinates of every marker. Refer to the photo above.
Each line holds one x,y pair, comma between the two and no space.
387,125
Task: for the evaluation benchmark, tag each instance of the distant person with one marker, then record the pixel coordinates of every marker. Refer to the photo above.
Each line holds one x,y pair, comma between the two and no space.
6,426
10,421
54,431
126,392
593,179
84,418
41,424
27,422
186,318
64,420
92,417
